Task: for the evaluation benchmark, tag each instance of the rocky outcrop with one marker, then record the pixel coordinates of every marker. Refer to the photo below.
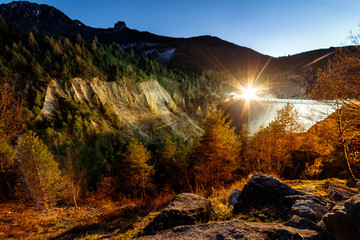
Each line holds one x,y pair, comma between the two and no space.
264,191
184,209
119,26
233,197
343,222
131,103
245,230
308,209
302,210
338,194
302,223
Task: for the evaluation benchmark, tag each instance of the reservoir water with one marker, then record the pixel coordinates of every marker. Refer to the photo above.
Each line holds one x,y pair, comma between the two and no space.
260,112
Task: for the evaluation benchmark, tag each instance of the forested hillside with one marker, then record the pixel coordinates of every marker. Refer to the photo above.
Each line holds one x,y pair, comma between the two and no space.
40,75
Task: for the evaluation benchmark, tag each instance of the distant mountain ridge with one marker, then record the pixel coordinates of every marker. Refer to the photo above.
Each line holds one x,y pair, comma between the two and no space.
286,77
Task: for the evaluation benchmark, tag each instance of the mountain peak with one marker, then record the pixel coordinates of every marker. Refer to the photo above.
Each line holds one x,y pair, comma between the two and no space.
27,15
23,7
119,26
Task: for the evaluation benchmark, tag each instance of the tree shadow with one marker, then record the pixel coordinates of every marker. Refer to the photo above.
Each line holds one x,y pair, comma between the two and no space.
120,220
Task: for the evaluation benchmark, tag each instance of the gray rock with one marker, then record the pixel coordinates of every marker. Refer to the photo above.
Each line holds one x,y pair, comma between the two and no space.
302,223
184,209
313,197
343,222
309,210
264,191
242,230
233,197
338,195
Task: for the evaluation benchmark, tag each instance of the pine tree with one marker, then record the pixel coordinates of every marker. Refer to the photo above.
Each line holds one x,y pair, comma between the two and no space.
56,49
217,151
41,171
167,161
94,45
67,44
137,172
32,42
172,164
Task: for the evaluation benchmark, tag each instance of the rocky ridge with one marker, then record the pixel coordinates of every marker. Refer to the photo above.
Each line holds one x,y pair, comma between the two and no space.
286,77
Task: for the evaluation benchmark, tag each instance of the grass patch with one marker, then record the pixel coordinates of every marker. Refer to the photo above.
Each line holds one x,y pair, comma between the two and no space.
318,187
220,199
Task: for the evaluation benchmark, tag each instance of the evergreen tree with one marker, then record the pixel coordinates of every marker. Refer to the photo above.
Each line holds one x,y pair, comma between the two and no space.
41,171
32,42
137,172
217,151
167,159
67,44
172,164
57,49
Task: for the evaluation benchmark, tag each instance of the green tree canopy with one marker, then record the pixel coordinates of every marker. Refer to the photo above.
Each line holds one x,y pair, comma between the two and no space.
137,172
41,171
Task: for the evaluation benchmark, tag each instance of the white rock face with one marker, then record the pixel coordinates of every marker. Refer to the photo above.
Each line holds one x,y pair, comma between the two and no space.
131,103
165,56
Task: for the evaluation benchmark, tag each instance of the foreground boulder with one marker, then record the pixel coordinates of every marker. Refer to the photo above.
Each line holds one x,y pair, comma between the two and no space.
308,209
339,193
264,191
244,230
343,222
184,209
302,223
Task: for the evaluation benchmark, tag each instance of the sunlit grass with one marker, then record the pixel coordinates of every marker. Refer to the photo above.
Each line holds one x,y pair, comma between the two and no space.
314,186
220,199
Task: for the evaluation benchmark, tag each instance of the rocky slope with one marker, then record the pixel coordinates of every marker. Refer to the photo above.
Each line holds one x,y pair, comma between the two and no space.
144,109
286,77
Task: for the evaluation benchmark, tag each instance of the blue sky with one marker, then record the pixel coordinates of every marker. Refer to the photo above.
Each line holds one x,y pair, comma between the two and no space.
273,27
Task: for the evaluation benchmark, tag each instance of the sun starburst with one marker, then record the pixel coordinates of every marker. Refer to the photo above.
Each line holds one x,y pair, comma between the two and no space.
249,93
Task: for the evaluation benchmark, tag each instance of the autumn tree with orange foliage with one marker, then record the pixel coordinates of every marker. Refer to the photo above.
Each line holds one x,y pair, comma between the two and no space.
11,124
217,152
270,149
11,110
339,85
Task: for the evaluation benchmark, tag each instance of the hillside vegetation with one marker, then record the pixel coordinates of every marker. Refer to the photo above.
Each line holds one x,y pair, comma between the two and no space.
90,124
86,101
